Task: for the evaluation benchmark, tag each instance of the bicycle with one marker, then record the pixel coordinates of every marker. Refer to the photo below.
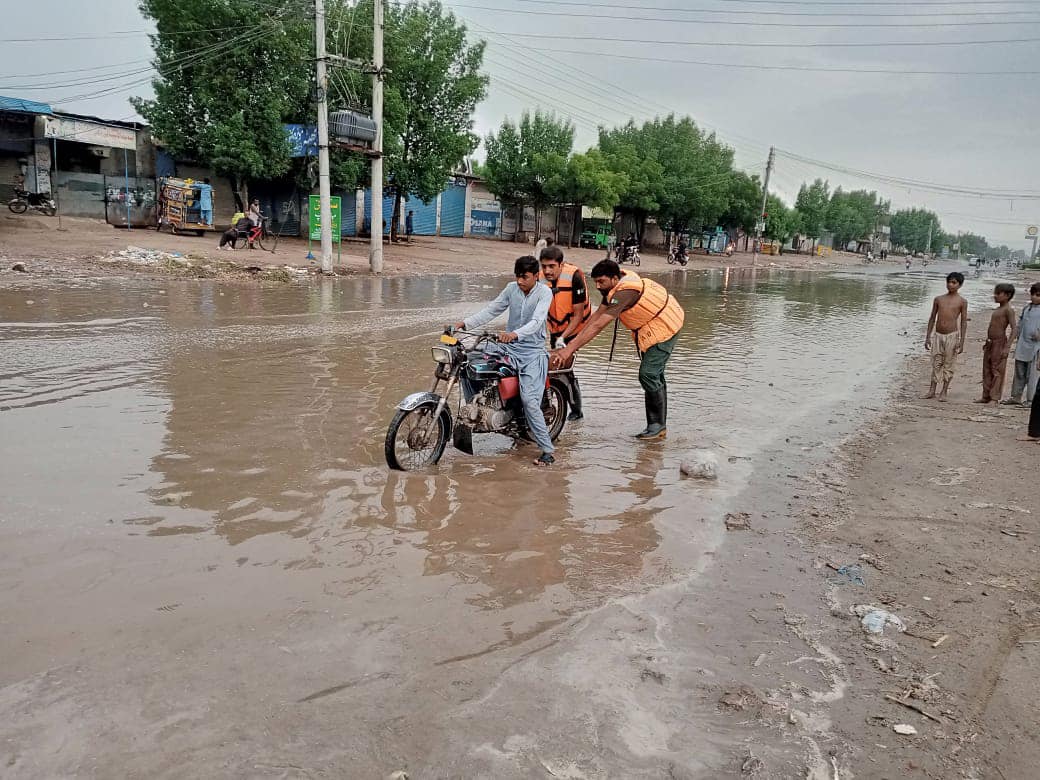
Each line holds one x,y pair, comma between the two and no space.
256,236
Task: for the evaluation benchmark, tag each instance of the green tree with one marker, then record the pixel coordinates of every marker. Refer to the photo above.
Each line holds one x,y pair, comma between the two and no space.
675,172
911,228
781,222
812,203
526,163
971,244
432,87
587,180
853,215
222,100
744,202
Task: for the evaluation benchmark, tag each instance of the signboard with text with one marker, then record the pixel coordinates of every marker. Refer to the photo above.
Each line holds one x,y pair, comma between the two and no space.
314,210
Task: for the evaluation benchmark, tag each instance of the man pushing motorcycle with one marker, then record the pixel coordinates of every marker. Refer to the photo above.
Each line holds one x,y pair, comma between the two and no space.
655,319
527,302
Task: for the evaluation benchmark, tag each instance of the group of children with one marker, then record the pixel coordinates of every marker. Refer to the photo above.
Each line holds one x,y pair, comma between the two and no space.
1008,333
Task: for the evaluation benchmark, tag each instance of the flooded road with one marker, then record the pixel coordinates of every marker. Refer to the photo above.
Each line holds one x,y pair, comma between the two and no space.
205,562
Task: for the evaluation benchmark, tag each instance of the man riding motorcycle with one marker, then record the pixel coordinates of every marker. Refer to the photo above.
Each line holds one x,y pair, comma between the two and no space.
528,302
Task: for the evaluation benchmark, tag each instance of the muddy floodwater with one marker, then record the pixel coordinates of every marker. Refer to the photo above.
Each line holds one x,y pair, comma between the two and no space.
206,568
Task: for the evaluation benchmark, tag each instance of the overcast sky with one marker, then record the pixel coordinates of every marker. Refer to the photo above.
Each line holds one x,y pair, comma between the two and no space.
970,131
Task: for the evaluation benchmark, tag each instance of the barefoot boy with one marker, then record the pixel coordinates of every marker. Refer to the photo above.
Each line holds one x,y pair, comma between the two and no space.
998,344
948,312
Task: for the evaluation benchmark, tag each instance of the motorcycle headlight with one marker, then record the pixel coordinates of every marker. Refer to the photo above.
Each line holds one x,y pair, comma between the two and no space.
441,354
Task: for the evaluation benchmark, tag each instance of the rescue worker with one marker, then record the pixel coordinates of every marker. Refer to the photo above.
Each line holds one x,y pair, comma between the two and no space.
570,308
655,319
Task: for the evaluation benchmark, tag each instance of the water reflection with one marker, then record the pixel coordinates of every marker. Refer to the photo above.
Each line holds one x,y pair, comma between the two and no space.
276,400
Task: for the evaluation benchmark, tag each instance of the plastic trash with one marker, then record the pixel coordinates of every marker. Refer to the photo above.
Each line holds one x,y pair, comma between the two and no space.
905,729
874,619
702,464
853,573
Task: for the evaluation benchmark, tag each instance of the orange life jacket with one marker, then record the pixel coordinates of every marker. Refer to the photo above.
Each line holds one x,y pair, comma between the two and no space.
561,311
655,317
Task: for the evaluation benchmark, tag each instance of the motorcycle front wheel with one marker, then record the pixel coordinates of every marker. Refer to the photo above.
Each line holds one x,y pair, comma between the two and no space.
50,209
17,206
414,439
636,260
671,260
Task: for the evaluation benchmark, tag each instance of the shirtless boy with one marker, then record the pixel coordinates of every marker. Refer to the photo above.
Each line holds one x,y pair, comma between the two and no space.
949,321
998,344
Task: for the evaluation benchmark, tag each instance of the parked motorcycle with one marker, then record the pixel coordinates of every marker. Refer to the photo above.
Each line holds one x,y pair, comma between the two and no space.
23,200
674,256
419,431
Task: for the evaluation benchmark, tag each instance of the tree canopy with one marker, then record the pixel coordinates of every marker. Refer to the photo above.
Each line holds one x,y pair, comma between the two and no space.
910,228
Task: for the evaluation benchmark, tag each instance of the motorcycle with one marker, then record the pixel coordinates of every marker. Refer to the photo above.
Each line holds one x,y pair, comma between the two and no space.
674,256
628,254
420,429
23,200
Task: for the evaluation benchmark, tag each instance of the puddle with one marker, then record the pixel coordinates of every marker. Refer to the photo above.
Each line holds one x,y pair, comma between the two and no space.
224,455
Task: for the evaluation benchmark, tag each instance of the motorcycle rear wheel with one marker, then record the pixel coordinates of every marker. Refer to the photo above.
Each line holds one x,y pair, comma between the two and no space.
18,206
556,414
414,440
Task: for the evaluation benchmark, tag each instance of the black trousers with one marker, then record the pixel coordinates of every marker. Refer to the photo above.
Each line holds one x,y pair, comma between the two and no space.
1034,415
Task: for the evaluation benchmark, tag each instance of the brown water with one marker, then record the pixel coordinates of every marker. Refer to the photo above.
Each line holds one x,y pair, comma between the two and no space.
205,562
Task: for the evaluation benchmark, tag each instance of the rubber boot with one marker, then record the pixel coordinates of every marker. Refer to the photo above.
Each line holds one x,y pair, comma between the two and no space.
655,416
576,414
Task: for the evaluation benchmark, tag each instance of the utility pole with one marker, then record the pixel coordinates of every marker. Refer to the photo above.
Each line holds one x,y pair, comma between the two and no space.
324,183
375,255
761,223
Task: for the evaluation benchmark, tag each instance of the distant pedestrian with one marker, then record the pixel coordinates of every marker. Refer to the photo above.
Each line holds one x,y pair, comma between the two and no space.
949,324
1027,348
1033,433
998,344
409,224
539,245
206,202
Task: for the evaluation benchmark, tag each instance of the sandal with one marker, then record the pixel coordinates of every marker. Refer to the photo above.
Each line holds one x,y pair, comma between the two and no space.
545,460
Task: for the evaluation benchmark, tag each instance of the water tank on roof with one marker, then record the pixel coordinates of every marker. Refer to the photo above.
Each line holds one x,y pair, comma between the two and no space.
351,127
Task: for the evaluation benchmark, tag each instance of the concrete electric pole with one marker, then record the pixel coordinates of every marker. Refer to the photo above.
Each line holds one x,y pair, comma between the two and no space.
760,225
375,255
324,183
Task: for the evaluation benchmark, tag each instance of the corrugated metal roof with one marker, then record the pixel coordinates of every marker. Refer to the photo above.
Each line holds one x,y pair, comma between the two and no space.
24,106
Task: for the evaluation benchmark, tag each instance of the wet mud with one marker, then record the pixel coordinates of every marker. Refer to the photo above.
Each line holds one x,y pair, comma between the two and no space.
204,561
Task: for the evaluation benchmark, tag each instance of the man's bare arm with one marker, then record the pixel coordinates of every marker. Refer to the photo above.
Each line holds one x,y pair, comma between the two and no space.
931,324
1013,320
964,327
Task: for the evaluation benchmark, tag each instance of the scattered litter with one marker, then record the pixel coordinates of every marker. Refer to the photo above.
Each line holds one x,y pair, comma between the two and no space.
735,458
874,619
940,640
702,464
752,765
19,267
738,521
905,729
739,699
1005,507
759,660
140,256
875,561
852,572
911,706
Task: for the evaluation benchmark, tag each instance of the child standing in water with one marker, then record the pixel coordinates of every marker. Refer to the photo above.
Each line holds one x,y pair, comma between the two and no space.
949,321
998,344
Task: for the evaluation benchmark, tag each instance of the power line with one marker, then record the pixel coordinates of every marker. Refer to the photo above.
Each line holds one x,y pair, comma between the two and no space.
800,68
743,23
794,45
915,184
761,12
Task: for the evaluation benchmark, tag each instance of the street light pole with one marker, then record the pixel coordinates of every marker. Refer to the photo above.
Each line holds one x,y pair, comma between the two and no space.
324,183
375,256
